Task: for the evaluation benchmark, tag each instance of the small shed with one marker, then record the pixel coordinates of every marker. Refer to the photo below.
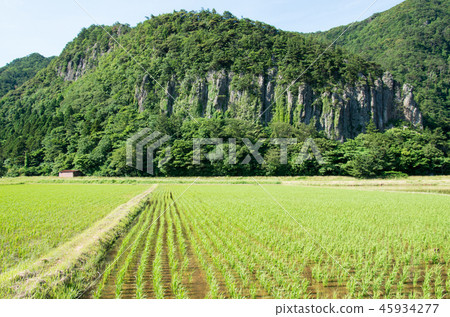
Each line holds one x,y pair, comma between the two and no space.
70,173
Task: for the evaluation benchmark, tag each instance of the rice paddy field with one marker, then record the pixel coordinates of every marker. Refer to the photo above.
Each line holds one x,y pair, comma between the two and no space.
246,238
271,241
36,218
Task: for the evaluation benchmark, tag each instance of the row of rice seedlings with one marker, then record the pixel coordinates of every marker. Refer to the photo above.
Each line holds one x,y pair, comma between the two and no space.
158,285
181,249
143,263
203,258
132,252
122,249
181,240
176,273
447,285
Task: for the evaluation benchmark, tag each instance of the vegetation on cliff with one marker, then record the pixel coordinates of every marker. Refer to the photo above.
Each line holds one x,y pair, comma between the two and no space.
411,40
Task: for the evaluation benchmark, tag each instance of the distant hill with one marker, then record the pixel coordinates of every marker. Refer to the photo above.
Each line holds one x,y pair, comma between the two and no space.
20,70
237,77
411,40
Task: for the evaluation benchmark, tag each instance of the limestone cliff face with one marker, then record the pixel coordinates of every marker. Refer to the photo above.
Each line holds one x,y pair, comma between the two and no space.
141,93
77,67
78,62
410,110
340,112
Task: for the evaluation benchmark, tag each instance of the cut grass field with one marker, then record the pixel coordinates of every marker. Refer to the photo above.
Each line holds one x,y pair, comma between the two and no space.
309,237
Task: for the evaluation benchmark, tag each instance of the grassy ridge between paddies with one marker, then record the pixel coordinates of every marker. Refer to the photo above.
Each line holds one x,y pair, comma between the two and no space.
410,181
236,241
53,236
140,180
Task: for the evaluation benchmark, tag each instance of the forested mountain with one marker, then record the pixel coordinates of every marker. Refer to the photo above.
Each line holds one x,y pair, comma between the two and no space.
412,41
237,77
20,70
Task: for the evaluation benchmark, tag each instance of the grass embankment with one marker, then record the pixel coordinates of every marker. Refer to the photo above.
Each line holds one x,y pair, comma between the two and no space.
423,181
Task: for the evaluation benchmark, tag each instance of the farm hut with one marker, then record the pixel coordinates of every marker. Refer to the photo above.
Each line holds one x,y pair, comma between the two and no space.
70,173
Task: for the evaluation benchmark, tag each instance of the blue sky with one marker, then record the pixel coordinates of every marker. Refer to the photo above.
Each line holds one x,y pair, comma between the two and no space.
45,26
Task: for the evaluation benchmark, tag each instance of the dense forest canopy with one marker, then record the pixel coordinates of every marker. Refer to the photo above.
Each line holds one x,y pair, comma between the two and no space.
20,70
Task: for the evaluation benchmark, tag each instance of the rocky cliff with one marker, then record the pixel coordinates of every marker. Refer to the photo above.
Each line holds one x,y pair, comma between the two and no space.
340,112
412,41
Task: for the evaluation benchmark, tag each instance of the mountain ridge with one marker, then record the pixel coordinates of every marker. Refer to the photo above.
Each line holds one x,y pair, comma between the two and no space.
226,82
81,108
20,70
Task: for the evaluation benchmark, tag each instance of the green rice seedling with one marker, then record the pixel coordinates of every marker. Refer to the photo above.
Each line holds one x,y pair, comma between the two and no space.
140,282
253,292
439,289
213,284
351,286
426,286
416,278
447,285
158,286
400,287
413,295
388,287
325,279
305,285
132,252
